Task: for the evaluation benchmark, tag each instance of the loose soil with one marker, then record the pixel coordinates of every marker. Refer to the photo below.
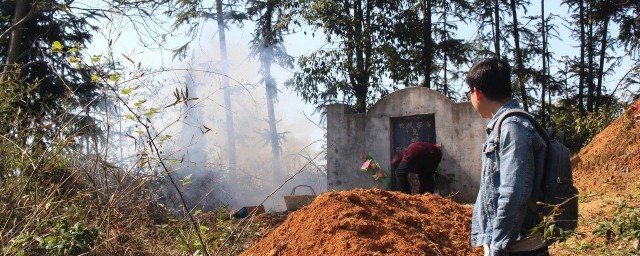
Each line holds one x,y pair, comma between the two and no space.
372,222
610,163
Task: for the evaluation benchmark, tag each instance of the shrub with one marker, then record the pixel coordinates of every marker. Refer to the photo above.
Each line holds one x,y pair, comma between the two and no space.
60,239
581,129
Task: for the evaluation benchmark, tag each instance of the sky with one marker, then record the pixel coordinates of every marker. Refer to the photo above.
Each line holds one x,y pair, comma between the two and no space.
297,44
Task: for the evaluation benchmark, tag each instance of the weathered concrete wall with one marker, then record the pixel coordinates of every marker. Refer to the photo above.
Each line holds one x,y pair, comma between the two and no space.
459,129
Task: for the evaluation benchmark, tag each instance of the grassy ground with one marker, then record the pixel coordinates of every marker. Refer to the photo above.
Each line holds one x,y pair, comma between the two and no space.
609,224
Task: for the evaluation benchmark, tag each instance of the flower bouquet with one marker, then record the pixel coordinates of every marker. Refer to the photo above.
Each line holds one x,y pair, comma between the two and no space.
369,164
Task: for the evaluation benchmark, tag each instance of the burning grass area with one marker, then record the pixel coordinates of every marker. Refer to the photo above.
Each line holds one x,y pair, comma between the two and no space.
78,222
222,234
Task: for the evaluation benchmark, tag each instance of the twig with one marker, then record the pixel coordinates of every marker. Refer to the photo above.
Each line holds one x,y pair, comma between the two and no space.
623,78
152,143
155,148
32,13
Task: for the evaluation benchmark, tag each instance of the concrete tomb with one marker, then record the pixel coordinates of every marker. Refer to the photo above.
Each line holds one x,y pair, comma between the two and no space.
406,116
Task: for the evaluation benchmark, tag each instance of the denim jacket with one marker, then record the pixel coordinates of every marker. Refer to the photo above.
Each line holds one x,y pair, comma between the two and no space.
501,214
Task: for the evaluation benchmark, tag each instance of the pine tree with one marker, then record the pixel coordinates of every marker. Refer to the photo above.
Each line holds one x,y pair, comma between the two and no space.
446,55
223,13
272,21
59,84
519,65
352,69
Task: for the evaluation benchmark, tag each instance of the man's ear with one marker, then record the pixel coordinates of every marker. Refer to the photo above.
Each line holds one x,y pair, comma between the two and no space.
479,95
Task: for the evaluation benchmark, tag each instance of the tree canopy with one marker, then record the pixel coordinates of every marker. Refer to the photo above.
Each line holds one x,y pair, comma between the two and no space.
54,86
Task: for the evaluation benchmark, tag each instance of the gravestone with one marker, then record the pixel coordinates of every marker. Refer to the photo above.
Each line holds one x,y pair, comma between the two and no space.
406,116
410,129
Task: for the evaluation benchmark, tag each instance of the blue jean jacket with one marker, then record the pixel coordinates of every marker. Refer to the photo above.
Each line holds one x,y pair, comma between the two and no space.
501,214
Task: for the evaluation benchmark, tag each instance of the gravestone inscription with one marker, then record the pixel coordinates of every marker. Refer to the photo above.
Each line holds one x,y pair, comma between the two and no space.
410,129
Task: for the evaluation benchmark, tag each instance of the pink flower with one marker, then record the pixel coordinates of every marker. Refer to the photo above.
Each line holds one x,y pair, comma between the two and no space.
374,167
365,165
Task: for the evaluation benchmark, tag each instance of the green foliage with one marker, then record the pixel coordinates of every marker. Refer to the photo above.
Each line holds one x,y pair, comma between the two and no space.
548,228
625,224
580,129
404,53
11,157
273,19
50,52
188,240
69,240
352,69
186,180
216,227
61,238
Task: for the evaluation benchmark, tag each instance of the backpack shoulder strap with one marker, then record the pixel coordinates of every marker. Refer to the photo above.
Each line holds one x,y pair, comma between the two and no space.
519,112
541,131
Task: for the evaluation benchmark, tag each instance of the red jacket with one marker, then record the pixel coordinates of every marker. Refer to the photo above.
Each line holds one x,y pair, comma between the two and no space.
420,156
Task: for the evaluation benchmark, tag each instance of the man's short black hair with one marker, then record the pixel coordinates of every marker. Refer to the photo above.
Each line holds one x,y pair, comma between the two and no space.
492,77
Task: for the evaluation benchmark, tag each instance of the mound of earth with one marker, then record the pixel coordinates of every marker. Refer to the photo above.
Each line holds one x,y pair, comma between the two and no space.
372,222
610,163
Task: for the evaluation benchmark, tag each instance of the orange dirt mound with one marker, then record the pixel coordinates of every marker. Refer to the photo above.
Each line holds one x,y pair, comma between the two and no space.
372,222
610,163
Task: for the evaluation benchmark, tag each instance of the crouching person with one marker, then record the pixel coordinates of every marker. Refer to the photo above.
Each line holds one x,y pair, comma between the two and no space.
421,158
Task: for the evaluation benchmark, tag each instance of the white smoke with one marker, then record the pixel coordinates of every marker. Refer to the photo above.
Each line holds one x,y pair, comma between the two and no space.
201,136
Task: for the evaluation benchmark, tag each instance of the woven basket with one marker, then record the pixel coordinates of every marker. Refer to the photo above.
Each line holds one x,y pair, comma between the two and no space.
295,202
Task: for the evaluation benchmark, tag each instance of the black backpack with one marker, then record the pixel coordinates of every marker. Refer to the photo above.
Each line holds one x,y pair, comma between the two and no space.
557,188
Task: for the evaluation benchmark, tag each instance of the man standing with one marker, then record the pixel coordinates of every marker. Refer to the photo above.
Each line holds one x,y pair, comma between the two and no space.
502,216
419,157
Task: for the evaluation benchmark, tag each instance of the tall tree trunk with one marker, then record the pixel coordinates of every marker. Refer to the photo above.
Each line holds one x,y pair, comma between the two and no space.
548,75
350,49
427,47
550,104
582,63
496,21
603,50
519,65
544,65
590,57
271,90
361,72
231,134
445,90
21,11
